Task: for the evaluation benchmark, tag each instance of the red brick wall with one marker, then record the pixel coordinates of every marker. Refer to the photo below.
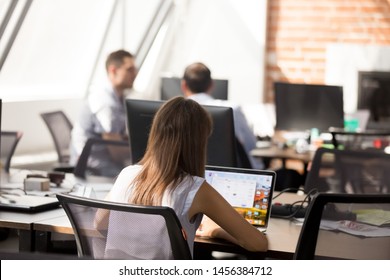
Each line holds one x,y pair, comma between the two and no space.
299,30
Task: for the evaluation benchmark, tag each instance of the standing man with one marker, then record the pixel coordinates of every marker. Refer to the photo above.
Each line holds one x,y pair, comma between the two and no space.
103,114
196,85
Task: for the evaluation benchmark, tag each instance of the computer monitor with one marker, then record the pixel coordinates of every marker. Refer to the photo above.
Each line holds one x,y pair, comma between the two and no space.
171,86
301,107
221,144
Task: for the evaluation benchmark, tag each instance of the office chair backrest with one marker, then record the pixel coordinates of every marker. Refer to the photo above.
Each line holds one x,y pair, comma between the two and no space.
60,129
9,141
366,139
221,148
349,171
129,231
287,178
346,226
101,157
242,157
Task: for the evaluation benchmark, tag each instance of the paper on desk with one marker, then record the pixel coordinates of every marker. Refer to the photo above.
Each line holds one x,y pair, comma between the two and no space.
376,217
355,228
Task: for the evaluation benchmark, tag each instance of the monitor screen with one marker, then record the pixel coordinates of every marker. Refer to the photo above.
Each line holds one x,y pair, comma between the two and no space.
221,145
300,107
171,86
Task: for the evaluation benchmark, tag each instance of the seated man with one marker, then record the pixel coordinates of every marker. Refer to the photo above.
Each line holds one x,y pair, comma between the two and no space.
196,85
103,114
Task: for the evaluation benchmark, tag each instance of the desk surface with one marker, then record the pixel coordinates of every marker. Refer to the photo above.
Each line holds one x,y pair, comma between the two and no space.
19,220
288,153
282,234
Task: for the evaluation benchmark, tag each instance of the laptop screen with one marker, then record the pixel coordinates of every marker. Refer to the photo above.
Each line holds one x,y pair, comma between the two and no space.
249,191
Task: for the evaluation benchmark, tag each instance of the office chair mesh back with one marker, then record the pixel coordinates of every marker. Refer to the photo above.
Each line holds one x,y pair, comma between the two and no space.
60,129
349,171
153,229
346,226
9,141
132,232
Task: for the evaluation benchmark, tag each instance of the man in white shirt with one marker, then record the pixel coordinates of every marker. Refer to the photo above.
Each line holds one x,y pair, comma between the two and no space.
196,84
103,114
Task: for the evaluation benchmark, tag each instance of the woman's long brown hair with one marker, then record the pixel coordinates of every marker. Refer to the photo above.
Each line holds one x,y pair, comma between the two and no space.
177,146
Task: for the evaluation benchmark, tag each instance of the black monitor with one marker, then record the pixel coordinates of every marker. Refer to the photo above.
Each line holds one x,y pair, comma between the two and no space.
221,145
171,86
300,107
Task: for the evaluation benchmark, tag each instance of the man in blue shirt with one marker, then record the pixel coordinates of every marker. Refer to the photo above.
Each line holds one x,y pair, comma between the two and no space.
196,85
103,114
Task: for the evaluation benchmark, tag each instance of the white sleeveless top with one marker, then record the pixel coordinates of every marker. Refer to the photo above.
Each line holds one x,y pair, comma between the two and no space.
180,200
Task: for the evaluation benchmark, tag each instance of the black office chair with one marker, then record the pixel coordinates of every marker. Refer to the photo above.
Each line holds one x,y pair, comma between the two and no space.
355,140
101,157
60,128
287,178
242,157
343,226
130,231
9,141
349,171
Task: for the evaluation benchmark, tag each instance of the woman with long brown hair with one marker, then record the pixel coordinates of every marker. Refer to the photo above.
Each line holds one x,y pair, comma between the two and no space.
171,173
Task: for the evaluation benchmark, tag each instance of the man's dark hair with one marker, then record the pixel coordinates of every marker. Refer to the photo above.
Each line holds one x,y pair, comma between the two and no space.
116,58
197,77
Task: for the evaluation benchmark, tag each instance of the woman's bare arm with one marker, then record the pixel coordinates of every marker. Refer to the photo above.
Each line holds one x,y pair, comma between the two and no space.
230,224
101,217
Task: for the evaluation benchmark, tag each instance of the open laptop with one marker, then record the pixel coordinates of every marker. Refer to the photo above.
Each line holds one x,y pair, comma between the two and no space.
249,191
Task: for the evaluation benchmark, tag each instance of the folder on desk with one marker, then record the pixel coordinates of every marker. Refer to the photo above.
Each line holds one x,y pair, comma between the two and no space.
27,203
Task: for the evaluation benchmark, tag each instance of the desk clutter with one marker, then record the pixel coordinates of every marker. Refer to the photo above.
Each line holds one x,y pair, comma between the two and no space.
39,182
279,210
293,209
31,194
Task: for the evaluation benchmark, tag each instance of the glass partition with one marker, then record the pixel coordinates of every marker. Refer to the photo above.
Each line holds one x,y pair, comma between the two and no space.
61,46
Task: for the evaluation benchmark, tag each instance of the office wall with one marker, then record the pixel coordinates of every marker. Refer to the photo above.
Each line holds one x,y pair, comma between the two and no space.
302,34
227,35
25,117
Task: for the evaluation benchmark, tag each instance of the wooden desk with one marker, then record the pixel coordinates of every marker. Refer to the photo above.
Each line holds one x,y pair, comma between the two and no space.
23,222
282,235
275,152
36,229
284,154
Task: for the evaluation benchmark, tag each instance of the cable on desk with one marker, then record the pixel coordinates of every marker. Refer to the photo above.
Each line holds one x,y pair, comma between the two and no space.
297,208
